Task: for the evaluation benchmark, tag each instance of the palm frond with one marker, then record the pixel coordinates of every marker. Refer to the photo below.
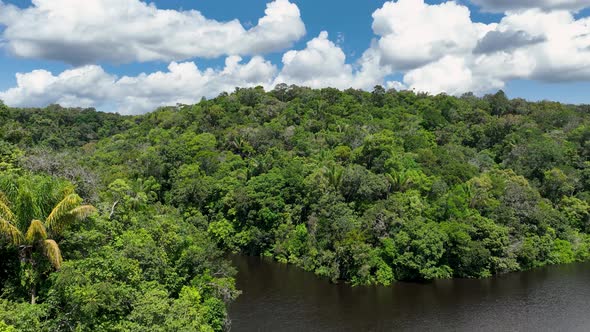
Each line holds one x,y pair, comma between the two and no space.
25,207
10,231
9,186
68,190
53,253
82,212
5,210
56,219
36,232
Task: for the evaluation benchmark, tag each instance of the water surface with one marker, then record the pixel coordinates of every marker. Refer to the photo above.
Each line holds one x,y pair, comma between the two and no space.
278,297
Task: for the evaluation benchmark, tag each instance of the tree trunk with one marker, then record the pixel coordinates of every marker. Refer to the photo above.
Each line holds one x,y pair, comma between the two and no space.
33,294
113,209
26,256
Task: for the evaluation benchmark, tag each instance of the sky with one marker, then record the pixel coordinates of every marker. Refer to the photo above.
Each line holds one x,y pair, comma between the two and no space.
132,56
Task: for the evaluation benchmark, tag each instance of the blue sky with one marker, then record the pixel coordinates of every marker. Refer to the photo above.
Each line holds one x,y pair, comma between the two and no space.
349,28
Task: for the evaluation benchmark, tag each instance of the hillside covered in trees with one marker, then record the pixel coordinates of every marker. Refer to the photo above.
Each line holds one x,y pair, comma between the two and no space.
123,223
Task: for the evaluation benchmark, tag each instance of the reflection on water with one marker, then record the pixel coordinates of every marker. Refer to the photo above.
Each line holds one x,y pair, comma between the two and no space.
278,297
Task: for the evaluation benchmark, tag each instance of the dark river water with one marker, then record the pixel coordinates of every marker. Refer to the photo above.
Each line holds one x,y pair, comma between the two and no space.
279,297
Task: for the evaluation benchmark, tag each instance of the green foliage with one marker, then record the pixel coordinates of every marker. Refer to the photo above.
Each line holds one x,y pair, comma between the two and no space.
34,238
6,328
22,316
58,127
10,156
365,187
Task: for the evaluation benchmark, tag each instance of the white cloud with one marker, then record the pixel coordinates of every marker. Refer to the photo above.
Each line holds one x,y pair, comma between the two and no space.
370,70
92,86
89,31
397,85
456,75
438,48
413,33
323,64
506,5
434,77
78,87
320,64
565,54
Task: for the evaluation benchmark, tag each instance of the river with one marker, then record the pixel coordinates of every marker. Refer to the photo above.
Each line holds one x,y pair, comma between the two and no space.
278,297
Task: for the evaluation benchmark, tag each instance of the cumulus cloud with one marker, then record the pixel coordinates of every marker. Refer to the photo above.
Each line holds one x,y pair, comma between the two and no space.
323,64
91,86
434,77
506,5
78,87
413,33
319,64
456,75
438,48
564,56
370,70
89,31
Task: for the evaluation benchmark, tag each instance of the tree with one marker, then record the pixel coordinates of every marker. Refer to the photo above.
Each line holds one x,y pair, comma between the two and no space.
499,103
36,238
376,149
378,96
556,184
9,156
577,212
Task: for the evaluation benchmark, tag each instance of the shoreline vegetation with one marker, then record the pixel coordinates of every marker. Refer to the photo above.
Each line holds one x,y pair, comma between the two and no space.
362,187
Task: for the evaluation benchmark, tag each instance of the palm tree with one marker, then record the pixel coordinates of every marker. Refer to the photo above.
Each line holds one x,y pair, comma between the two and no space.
334,175
37,243
399,181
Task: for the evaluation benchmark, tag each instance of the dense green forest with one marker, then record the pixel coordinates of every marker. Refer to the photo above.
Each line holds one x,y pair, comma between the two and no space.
124,223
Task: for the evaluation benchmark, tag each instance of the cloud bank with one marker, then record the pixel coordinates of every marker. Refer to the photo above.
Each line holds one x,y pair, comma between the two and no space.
89,31
91,86
438,48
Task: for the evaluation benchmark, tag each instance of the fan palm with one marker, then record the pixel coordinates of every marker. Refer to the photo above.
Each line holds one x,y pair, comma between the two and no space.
36,240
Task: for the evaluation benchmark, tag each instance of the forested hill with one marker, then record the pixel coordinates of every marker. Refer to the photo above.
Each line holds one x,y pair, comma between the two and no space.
364,187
